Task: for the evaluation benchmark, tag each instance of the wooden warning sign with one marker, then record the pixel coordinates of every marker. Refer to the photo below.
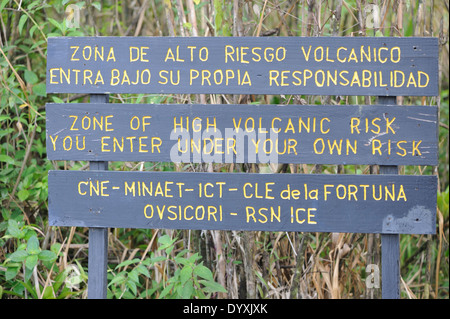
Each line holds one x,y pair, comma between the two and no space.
239,65
236,201
316,134
350,134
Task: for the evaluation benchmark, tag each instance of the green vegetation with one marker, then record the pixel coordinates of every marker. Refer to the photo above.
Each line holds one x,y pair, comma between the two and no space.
39,261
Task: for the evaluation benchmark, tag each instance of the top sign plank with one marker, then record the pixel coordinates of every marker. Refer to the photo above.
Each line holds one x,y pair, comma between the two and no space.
240,65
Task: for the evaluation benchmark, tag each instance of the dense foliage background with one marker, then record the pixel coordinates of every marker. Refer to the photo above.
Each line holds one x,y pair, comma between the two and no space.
38,261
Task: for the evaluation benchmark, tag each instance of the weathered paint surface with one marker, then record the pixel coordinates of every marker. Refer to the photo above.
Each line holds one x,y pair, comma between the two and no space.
244,65
267,202
311,134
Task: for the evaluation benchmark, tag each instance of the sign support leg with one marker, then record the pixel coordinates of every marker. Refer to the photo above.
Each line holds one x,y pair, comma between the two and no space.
97,263
98,238
390,266
390,243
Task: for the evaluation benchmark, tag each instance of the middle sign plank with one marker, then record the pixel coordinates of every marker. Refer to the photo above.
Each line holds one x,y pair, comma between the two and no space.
309,134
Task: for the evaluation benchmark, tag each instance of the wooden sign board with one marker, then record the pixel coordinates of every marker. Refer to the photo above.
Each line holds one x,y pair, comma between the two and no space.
317,134
238,201
242,65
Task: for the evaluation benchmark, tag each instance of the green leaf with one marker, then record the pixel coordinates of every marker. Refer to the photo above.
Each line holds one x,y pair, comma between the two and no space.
203,272
118,279
32,29
40,89
169,249
409,30
3,4
55,23
132,286
212,286
182,253
57,99
143,270
48,293
11,273
166,243
23,194
127,262
6,159
29,288
80,4
194,258
53,34
73,281
31,77
19,255
187,25
13,229
133,276
31,261
187,291
165,240
75,33
166,291
181,260
33,4
97,5
219,14
379,34
33,246
157,259
185,274
47,255
22,21
261,278
55,248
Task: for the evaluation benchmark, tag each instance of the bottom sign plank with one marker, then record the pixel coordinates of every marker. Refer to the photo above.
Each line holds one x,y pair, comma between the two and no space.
237,201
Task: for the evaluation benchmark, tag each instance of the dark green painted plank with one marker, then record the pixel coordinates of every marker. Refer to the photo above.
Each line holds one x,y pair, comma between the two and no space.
316,134
267,202
244,65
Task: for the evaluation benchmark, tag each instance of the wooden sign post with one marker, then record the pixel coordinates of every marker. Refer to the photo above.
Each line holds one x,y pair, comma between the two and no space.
387,135
98,237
